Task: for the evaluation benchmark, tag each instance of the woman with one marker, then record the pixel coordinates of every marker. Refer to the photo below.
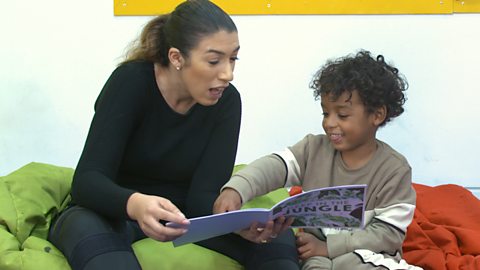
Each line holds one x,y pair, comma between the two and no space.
161,144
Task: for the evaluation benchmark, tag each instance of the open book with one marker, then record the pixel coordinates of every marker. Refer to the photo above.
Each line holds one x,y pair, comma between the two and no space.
330,207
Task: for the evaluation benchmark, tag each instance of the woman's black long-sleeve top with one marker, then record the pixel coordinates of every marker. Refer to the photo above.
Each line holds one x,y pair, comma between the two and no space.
136,142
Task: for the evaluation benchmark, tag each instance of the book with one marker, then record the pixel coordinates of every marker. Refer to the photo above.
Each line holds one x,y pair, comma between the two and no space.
329,207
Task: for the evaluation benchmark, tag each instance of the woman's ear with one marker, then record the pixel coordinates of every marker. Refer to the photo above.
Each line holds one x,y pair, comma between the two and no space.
175,57
379,115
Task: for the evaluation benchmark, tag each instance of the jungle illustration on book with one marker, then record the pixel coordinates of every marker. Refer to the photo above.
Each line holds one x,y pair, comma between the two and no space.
332,207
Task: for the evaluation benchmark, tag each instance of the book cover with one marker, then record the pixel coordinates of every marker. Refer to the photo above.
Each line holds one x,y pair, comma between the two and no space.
329,207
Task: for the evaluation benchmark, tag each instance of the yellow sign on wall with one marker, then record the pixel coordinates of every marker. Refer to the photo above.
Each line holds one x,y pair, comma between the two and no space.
277,7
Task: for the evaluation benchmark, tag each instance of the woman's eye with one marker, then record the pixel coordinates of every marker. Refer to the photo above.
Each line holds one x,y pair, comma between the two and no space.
233,59
214,62
325,114
342,116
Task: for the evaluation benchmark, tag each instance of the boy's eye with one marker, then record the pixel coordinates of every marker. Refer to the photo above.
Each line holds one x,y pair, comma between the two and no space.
325,114
342,116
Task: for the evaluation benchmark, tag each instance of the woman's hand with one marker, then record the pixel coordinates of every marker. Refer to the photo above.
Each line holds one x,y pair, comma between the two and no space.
262,234
228,200
148,210
308,246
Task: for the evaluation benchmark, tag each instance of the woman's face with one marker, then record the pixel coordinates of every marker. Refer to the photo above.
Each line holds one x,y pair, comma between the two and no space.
209,67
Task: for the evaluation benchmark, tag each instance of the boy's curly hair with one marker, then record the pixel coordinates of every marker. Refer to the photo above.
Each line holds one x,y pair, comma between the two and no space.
378,83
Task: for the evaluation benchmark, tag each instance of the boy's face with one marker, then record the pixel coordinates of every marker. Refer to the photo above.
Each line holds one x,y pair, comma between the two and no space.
350,128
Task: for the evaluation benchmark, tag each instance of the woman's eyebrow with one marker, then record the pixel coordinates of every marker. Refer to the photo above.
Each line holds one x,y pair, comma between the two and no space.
220,52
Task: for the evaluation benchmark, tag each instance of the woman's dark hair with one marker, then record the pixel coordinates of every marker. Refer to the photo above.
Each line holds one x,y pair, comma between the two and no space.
182,28
378,83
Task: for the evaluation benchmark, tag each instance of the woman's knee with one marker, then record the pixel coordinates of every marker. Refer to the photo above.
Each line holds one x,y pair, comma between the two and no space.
281,249
82,234
77,223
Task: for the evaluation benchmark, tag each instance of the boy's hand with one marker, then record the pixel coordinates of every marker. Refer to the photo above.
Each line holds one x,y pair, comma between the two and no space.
228,200
308,246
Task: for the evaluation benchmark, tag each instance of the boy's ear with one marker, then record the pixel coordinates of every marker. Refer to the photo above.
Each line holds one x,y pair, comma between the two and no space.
379,115
176,58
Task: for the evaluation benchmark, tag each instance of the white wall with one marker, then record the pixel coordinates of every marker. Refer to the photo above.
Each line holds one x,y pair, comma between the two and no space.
56,55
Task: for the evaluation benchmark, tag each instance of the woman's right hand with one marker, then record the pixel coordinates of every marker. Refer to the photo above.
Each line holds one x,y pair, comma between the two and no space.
148,210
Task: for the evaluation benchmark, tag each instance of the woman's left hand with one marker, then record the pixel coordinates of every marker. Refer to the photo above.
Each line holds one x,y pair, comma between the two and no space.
264,234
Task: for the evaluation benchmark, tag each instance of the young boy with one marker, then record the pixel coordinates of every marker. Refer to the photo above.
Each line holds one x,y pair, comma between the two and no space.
358,95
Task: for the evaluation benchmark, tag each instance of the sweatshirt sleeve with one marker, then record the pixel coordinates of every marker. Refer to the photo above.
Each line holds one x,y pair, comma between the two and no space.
280,169
117,111
259,177
395,206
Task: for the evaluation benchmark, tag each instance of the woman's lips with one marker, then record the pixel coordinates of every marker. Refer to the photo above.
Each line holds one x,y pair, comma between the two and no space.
216,93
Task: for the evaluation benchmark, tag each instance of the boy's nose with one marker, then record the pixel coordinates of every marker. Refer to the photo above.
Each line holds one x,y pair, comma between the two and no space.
329,122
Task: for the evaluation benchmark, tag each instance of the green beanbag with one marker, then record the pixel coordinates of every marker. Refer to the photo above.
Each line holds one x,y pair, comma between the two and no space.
29,198
33,195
